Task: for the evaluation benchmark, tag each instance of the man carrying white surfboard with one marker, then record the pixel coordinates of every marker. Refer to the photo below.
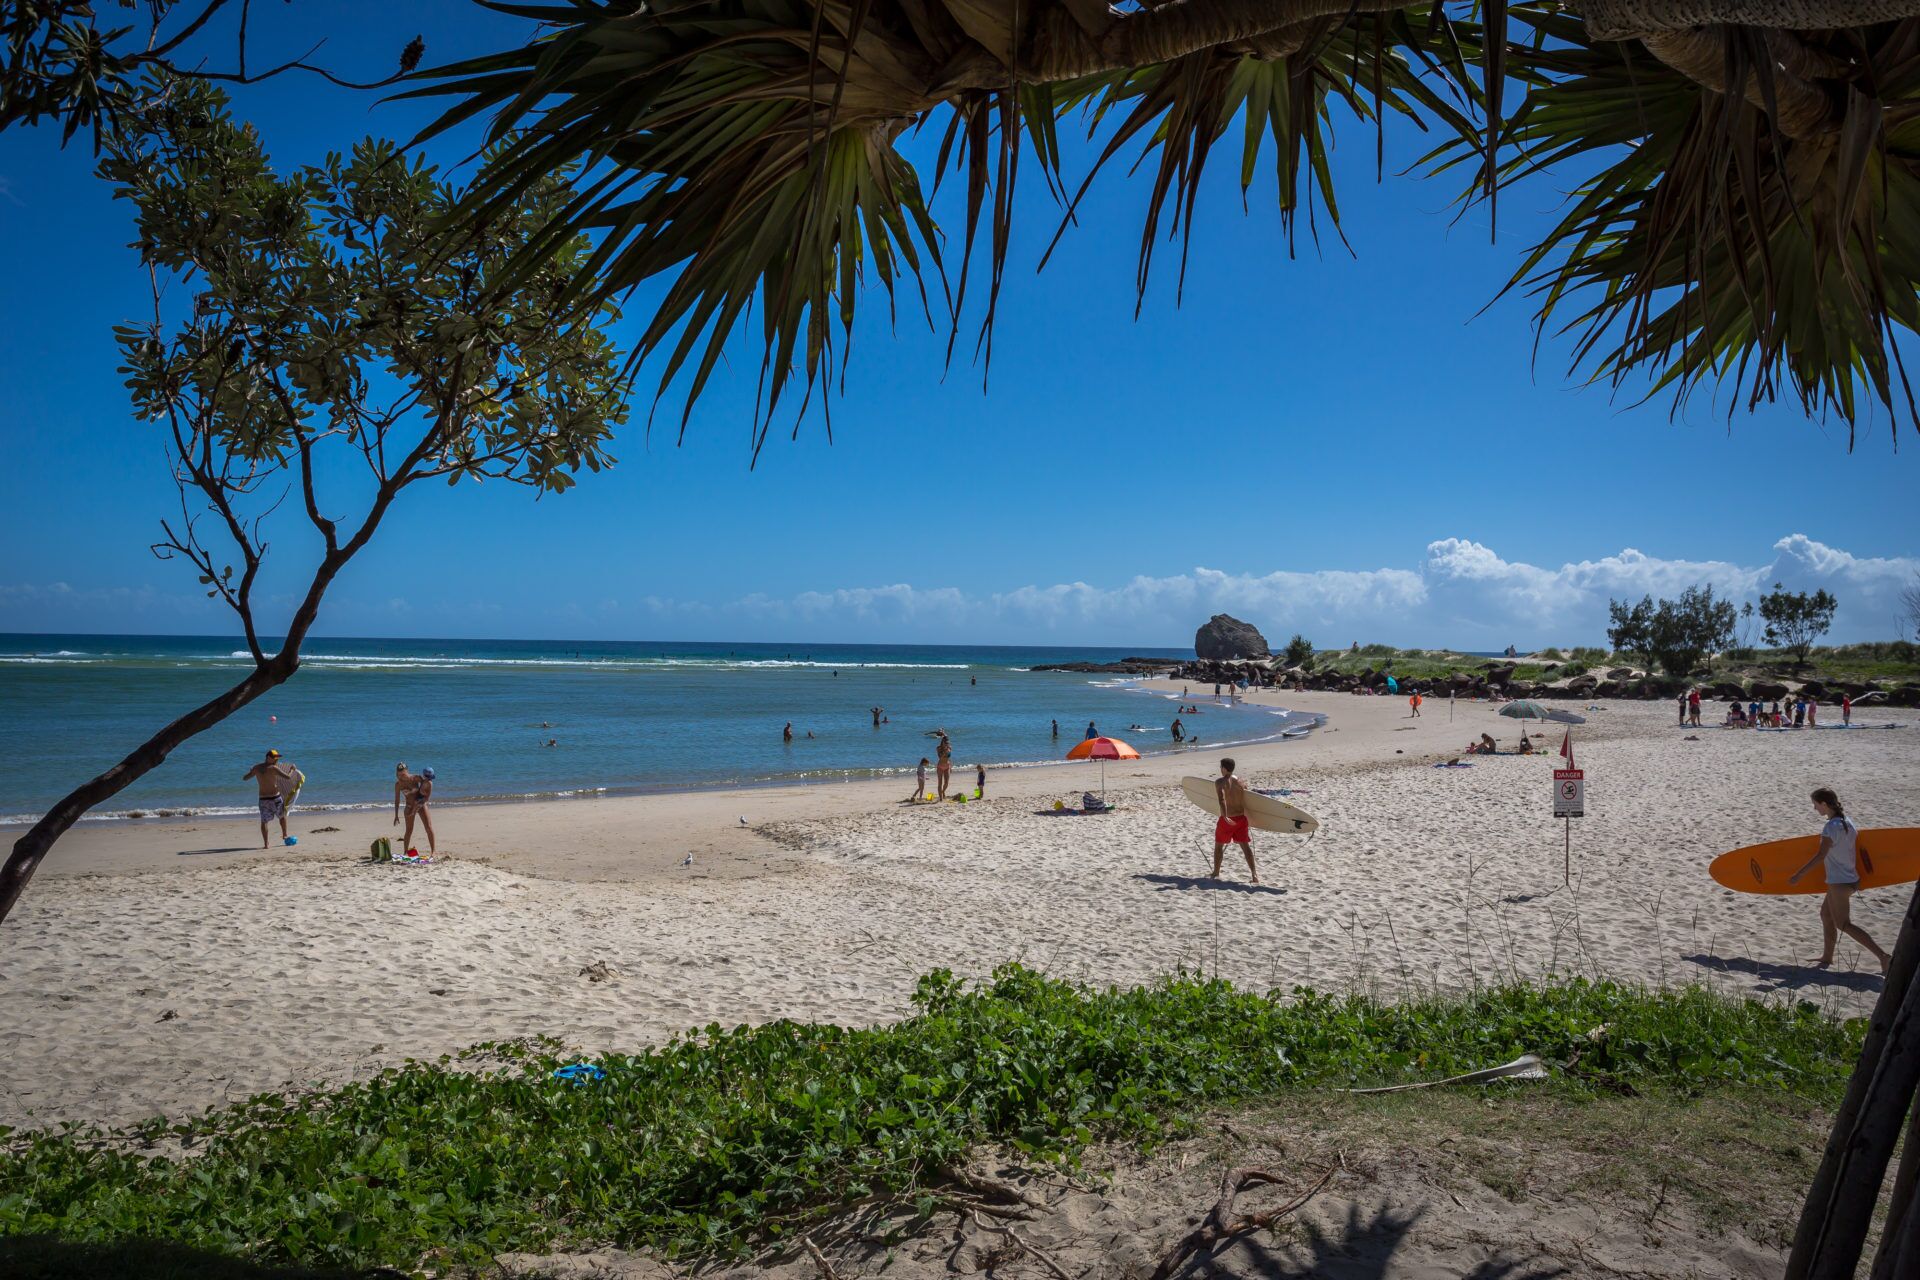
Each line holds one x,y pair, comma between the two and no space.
1231,827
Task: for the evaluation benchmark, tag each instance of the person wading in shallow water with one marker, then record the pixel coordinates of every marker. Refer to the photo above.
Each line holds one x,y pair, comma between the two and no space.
1232,826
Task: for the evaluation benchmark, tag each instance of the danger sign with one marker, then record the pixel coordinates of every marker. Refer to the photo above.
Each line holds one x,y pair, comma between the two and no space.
1569,793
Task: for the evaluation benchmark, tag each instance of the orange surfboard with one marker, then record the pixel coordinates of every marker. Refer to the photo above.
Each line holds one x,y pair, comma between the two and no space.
1888,855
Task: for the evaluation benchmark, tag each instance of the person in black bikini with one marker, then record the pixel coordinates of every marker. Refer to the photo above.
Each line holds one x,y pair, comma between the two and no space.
418,796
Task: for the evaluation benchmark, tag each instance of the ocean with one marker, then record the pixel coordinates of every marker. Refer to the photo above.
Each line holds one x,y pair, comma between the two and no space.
624,717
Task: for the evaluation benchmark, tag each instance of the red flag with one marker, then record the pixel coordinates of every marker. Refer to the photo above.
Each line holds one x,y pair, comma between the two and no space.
1566,748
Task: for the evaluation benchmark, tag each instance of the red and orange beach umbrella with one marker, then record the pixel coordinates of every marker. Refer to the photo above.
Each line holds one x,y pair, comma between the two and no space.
1103,750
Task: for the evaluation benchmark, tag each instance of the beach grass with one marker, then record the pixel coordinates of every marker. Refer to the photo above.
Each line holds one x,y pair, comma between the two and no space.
731,1139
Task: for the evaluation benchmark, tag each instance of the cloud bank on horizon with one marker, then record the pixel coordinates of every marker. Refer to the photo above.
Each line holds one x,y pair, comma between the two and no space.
1462,594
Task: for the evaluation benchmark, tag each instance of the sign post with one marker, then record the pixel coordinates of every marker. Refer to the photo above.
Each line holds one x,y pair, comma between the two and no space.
1569,802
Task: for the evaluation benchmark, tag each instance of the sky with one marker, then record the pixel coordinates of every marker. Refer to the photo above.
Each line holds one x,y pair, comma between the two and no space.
1359,446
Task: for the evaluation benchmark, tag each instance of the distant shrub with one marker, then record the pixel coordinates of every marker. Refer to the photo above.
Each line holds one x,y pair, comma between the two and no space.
1553,655
1575,669
1589,654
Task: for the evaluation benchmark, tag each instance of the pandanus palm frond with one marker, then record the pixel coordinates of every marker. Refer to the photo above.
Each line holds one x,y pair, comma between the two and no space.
749,148
1753,216
1765,240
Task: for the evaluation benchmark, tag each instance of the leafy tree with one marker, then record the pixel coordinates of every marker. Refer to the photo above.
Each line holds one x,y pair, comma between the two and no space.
63,65
1795,619
1299,651
1674,634
1910,606
1713,143
341,346
1631,627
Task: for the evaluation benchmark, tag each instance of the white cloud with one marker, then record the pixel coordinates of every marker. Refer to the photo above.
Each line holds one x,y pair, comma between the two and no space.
1462,593
1459,592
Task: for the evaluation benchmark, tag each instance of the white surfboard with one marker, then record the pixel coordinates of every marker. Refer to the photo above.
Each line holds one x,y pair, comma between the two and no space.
1263,812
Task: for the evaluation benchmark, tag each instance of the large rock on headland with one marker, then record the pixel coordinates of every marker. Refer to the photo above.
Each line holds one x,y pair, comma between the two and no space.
1224,638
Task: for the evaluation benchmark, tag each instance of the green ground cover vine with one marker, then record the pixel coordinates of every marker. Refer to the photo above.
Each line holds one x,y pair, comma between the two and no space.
727,1138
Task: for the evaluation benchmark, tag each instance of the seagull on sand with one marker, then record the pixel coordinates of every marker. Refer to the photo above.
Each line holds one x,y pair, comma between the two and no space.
687,861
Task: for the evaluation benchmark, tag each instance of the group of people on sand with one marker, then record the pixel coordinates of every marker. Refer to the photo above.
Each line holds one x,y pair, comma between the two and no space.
1486,746
279,781
943,772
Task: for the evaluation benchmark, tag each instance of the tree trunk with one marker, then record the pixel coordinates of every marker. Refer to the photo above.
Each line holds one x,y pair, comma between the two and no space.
1899,1253
1820,1237
29,849
1630,19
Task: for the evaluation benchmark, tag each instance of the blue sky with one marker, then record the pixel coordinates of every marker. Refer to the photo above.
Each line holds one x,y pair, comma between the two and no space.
1346,445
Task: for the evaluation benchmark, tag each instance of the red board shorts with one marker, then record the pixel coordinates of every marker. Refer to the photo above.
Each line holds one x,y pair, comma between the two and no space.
1231,831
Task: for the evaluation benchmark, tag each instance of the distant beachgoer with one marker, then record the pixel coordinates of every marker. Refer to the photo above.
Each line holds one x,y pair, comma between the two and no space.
1414,702
920,781
809,733
943,770
979,782
1775,713
1846,708
1216,690
876,717
418,797
1753,713
786,734
1526,744
275,780
1693,707
1091,731
1232,826
1179,729
973,680
1837,847
1056,728
1799,712
1683,709
1813,714
553,742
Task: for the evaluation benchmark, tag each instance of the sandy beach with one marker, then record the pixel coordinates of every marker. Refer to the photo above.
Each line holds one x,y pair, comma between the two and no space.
172,966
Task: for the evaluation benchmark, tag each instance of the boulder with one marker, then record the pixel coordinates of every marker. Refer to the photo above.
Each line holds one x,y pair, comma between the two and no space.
1725,691
1620,673
1227,638
1768,690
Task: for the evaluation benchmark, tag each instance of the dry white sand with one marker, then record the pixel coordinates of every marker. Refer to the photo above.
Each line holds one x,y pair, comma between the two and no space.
165,967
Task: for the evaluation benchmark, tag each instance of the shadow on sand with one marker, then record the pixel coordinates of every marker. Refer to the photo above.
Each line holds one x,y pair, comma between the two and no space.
1167,882
194,853
1361,1248
50,1258
1788,977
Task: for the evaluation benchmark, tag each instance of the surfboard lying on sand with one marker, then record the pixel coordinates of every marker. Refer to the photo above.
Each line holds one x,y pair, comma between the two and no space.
1887,855
1263,812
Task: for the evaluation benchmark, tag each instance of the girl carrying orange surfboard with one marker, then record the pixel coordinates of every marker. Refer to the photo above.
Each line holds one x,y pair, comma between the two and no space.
1837,840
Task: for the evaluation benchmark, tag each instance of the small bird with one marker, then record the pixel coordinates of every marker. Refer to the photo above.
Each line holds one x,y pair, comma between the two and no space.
743,819
687,861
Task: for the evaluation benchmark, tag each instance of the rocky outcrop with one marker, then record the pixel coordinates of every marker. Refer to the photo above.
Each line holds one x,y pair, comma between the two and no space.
1124,667
1224,639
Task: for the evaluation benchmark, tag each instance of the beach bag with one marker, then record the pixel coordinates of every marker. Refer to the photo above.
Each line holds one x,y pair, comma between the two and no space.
381,850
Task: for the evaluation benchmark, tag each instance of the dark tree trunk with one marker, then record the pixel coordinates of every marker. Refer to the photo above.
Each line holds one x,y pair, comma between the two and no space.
1833,1222
29,849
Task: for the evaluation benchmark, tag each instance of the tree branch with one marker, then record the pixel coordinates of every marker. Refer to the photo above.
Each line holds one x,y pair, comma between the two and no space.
1634,19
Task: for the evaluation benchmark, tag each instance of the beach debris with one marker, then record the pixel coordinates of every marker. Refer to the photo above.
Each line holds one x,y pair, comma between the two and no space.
321,830
168,1016
599,971
580,1074
1223,1225
1525,1067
